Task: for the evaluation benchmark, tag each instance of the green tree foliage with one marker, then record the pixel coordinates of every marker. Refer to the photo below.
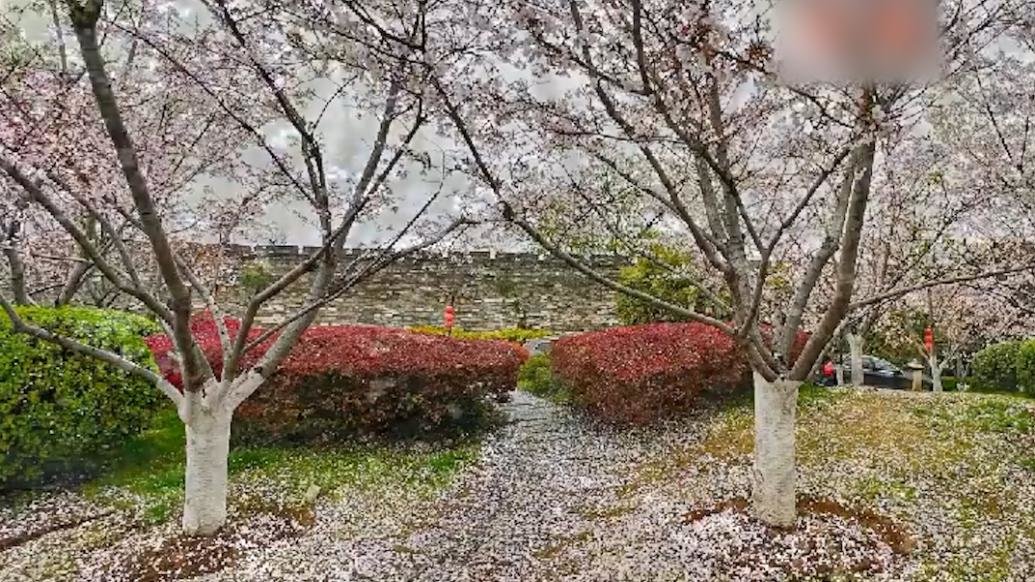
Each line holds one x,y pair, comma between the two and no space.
60,411
13,51
536,377
256,275
18,56
668,274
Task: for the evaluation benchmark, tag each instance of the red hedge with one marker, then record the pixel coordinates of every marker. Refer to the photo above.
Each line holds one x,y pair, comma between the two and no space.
640,373
203,329
345,379
643,372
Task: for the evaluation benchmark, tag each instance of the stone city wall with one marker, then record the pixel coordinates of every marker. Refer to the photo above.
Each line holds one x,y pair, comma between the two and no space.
489,290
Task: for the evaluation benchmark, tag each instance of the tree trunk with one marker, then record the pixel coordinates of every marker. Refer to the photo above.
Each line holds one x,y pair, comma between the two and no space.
208,449
855,346
773,496
839,370
17,268
936,371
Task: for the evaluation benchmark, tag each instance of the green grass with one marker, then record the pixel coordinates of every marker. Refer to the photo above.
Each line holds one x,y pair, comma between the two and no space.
148,473
995,414
1028,463
536,377
1013,394
951,459
814,396
872,488
150,468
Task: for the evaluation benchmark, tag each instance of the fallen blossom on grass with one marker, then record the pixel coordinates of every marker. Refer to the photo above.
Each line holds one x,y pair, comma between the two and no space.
893,486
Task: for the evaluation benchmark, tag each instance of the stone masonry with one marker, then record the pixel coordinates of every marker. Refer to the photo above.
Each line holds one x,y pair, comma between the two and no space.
489,290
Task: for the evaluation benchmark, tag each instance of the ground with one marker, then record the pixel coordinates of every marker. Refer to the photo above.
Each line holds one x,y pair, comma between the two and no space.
894,486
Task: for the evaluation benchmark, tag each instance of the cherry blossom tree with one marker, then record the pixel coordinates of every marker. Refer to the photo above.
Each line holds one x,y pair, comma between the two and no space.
156,106
986,119
659,105
680,102
917,239
963,318
970,214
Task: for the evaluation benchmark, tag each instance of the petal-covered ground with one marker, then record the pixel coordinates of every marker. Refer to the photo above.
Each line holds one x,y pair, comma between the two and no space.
894,486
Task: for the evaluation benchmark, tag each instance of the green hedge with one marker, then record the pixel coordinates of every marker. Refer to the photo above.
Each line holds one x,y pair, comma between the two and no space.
536,377
1006,367
995,367
60,411
1026,367
510,334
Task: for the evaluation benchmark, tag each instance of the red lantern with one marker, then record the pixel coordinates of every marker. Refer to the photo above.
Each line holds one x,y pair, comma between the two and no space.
929,339
449,317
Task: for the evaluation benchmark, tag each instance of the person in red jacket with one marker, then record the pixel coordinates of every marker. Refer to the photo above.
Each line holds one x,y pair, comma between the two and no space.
829,373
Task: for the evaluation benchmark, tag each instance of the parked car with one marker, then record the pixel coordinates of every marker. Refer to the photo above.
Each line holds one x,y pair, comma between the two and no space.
876,372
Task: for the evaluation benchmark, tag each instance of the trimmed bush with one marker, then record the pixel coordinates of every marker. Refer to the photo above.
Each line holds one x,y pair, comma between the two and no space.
340,381
60,411
640,373
536,377
1025,366
203,329
995,367
510,334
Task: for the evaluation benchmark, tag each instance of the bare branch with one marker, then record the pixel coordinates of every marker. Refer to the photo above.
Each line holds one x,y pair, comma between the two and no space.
84,18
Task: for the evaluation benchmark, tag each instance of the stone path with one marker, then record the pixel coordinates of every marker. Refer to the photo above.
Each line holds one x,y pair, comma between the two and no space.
543,480
543,483
558,497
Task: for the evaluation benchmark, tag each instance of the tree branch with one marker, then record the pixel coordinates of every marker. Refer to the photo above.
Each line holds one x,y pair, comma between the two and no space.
896,293
84,18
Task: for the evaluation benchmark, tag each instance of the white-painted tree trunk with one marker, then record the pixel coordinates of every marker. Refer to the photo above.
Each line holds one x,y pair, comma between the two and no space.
773,495
208,449
839,370
855,348
936,371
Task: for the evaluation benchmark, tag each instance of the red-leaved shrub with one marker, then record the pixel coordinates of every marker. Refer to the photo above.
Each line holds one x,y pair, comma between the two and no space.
341,380
640,373
203,329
